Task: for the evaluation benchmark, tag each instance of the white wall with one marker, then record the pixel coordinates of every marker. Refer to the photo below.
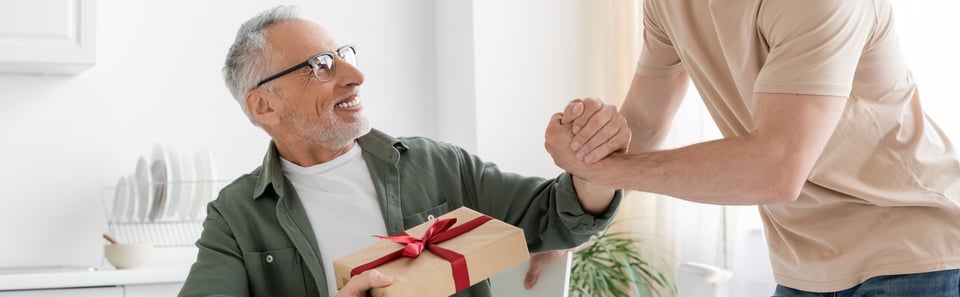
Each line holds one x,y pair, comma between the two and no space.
928,33
456,78
504,67
532,58
157,79
485,75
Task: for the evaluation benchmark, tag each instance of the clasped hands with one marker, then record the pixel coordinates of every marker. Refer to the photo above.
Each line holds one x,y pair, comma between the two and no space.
586,132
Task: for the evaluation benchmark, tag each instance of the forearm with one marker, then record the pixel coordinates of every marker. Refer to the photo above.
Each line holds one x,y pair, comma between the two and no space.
594,198
728,171
650,106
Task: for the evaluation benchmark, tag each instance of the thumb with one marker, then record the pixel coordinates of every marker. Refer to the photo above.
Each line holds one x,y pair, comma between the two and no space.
377,279
556,121
360,284
533,275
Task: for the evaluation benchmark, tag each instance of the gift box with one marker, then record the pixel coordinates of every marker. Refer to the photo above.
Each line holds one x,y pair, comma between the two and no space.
440,257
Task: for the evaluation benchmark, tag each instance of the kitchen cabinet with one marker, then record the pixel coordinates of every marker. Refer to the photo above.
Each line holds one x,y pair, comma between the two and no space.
144,282
80,292
47,36
152,290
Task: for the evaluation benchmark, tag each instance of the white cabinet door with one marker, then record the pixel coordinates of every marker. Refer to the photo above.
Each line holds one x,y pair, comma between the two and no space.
80,292
151,290
47,36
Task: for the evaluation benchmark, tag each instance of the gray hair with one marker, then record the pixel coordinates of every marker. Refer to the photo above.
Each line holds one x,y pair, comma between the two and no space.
247,60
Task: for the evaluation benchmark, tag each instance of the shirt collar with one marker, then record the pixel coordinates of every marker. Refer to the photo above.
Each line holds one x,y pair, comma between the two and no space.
376,144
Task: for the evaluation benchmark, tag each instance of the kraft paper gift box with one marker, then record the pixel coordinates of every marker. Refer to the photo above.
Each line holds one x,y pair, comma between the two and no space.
489,248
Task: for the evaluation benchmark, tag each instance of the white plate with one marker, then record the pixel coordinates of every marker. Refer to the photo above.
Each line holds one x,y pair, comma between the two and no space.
119,211
203,192
189,182
131,212
174,183
144,193
160,181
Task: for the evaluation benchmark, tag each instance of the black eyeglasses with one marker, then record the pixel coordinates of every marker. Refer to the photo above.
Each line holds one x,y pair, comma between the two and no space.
322,64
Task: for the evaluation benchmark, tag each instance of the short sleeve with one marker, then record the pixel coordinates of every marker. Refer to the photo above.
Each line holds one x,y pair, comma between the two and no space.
814,45
657,56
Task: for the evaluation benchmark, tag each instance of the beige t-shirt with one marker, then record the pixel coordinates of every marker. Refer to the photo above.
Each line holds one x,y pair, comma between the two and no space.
884,197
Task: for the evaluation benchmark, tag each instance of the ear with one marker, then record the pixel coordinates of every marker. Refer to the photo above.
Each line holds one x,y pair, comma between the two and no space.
263,107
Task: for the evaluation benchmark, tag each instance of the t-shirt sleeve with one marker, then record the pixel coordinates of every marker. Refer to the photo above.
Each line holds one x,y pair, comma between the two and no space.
657,56
814,45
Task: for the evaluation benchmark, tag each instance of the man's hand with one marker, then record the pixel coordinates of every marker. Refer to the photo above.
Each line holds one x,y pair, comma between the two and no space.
537,262
360,284
598,129
557,141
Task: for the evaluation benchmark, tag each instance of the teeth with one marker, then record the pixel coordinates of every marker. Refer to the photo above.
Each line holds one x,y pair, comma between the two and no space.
350,103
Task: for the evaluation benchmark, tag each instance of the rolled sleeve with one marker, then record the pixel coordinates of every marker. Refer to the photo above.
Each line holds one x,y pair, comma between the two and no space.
573,215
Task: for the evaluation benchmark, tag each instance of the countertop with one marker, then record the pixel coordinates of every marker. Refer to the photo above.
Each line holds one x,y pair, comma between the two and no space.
51,278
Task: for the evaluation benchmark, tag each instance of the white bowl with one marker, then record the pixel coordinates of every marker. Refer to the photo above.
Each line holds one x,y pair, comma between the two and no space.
128,255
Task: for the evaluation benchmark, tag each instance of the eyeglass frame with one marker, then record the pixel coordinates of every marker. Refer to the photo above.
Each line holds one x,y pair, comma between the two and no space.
333,64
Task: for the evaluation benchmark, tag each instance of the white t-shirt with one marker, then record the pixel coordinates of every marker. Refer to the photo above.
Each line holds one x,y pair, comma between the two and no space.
342,206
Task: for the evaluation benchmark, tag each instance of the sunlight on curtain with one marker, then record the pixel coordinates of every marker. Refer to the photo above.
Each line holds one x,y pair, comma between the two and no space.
674,230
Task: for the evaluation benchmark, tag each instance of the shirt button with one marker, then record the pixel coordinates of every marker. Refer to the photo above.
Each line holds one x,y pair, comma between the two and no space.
269,258
430,217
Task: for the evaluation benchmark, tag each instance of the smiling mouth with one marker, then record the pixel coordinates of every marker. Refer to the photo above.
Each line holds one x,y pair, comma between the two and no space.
349,102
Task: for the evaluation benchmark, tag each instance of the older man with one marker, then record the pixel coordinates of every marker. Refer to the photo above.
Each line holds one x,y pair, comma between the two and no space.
328,182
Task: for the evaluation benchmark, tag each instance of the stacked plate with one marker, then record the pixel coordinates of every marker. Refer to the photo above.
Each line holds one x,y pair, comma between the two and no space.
166,187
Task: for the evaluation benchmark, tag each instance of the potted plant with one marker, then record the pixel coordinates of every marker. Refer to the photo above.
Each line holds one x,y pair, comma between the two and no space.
612,264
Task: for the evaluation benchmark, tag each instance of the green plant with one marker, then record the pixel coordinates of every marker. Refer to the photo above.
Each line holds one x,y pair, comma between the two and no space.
613,265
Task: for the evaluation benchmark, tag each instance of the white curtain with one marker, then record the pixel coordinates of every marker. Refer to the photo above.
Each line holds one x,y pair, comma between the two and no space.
674,230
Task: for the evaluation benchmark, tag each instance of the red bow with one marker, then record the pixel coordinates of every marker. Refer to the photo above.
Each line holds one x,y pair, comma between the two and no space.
439,232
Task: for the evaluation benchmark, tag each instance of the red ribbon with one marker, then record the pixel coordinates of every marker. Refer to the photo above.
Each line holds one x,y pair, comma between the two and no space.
439,232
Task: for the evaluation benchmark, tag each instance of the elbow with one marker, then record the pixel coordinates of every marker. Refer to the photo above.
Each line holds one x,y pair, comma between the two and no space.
784,188
785,193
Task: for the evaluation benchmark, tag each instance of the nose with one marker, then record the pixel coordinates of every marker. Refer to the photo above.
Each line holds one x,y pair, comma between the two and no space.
348,74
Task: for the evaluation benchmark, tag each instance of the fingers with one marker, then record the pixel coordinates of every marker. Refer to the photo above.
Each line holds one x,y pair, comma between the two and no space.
360,284
613,137
573,111
533,275
537,262
589,131
590,107
604,131
557,143
557,139
592,119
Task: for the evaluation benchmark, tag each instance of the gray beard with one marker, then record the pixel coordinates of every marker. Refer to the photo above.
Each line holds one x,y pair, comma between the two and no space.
332,132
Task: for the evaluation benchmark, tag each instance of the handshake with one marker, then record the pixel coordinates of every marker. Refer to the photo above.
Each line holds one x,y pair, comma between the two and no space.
585,134
580,140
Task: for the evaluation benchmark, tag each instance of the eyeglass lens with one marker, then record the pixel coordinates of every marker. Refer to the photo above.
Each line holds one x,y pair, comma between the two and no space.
323,64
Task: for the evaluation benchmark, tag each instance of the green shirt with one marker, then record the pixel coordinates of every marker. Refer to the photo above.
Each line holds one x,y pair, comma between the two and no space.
257,240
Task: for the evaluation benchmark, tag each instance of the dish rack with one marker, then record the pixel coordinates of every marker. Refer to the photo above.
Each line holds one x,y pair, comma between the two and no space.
164,222
160,234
